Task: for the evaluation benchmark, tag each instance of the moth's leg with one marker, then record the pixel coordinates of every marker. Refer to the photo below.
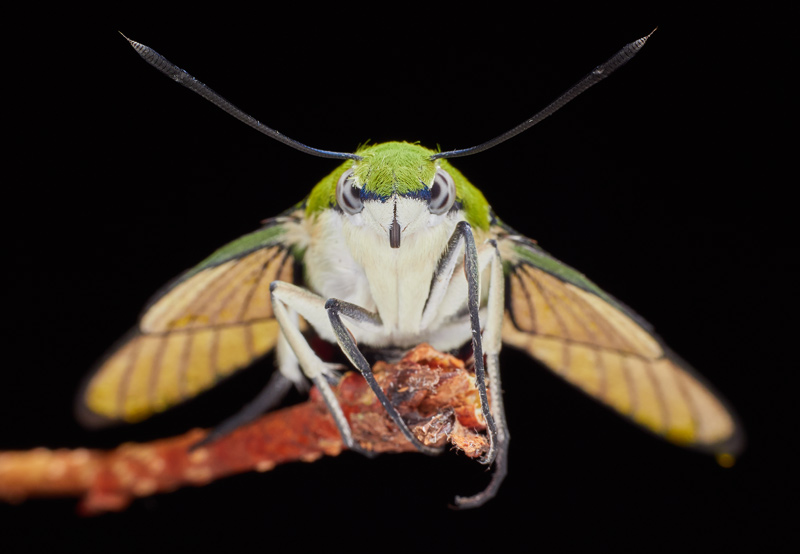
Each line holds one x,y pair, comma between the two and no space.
309,305
442,278
286,361
338,308
288,373
493,342
493,337
462,238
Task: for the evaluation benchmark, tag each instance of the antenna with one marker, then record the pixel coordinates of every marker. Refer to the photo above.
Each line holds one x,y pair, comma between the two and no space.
177,74
598,74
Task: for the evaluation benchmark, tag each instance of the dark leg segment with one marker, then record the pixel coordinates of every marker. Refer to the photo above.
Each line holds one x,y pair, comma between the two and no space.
472,270
349,347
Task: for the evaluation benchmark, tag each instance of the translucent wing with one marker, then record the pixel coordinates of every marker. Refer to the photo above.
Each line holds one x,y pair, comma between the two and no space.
214,319
590,339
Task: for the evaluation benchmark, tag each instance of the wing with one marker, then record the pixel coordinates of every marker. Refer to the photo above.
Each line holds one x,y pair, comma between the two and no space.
212,320
593,341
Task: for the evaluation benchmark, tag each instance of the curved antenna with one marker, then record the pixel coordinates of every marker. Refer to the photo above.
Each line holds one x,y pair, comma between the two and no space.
177,74
598,74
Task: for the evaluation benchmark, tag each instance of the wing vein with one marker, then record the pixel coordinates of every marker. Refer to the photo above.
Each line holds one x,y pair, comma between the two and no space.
531,307
236,274
209,292
122,393
565,361
602,324
659,392
183,366
155,372
693,409
262,272
213,356
629,381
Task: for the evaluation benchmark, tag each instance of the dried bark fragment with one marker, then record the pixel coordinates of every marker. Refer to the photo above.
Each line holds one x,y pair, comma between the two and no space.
433,391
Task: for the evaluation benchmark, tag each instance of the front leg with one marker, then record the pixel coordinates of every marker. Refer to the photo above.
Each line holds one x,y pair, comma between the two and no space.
445,291
462,240
307,304
493,342
337,308
315,309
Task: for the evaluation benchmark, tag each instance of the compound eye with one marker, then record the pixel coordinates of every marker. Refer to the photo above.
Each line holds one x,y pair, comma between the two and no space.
443,193
348,195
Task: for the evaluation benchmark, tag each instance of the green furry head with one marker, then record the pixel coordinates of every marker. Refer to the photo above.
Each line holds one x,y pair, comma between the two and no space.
399,168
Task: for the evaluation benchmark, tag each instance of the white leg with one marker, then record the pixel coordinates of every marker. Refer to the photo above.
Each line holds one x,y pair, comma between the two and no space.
286,360
310,306
492,336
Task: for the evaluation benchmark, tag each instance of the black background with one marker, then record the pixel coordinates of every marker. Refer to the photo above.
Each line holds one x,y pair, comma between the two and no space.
663,184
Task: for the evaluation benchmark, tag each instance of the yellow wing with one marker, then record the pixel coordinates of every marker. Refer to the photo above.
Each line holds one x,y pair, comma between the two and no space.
211,321
588,338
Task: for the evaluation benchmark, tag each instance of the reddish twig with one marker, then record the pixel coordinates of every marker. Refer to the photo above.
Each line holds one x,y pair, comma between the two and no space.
433,392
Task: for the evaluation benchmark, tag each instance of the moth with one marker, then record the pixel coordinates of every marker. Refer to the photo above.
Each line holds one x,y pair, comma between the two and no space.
393,248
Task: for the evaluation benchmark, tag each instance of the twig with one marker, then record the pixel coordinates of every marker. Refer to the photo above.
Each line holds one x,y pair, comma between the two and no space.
432,391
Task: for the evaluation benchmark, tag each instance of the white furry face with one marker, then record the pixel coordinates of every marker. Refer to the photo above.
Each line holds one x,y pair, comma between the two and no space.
412,215
397,214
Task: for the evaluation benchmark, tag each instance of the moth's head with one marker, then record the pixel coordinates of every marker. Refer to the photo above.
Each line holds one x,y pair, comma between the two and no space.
395,189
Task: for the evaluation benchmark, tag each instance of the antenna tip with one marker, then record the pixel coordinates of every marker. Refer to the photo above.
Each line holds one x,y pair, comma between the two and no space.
648,35
637,45
131,42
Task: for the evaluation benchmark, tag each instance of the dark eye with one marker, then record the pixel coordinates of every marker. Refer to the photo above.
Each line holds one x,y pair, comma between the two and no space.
443,193
347,194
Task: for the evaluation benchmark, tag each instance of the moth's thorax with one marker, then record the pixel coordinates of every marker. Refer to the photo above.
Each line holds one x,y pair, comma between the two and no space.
350,258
